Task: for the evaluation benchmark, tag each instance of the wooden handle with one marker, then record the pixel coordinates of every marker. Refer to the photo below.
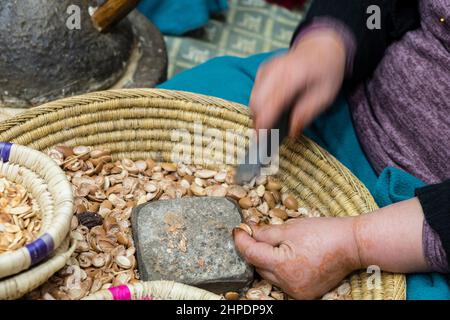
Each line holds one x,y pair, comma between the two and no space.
111,12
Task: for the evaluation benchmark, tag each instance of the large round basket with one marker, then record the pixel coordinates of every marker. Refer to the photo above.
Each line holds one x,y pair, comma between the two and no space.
48,185
139,124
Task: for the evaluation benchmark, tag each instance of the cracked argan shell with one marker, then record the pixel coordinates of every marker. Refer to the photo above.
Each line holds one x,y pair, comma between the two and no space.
246,228
236,192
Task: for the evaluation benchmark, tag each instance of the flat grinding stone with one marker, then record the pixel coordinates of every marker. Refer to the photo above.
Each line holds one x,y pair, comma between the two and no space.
189,240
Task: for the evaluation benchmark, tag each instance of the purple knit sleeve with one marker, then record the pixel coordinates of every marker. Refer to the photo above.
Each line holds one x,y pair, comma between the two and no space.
319,23
434,252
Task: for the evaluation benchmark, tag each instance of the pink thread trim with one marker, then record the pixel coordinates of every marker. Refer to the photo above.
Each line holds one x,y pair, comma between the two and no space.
120,293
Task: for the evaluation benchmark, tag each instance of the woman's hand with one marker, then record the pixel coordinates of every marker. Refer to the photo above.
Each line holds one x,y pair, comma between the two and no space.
308,78
308,257
305,257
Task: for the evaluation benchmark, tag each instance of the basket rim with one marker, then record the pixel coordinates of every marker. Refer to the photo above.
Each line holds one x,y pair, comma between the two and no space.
20,284
396,291
150,290
49,178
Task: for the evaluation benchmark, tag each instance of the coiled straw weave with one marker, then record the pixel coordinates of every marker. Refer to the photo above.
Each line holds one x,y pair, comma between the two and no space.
47,183
154,290
18,285
137,124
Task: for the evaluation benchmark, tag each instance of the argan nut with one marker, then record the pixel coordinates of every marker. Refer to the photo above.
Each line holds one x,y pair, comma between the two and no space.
95,154
260,190
246,228
330,296
80,208
245,203
197,190
106,204
253,219
189,179
255,294
220,177
66,151
293,213
150,164
268,197
150,187
109,223
122,239
273,185
236,192
81,152
123,262
148,172
277,295
264,286
169,167
100,160
205,174
276,220
216,191
263,208
129,165
5,218
261,180
278,213
276,196
290,202
93,206
141,165
232,295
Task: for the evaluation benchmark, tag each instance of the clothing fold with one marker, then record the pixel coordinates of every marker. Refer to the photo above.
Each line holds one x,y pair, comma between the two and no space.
232,79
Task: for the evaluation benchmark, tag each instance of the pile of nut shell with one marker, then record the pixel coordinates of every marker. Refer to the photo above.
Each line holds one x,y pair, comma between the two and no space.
20,218
107,190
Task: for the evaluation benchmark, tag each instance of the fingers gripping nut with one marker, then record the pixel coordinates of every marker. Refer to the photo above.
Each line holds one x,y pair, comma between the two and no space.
246,228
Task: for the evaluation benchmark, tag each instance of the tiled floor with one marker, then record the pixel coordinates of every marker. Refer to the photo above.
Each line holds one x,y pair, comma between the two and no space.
249,27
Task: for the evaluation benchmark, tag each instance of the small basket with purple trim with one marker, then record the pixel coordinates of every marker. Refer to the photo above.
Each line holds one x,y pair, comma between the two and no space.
47,184
154,290
16,286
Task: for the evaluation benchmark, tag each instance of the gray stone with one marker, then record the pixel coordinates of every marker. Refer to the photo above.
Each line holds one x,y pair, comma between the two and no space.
189,240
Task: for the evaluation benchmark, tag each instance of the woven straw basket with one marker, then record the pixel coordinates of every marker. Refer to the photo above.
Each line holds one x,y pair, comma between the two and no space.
154,290
47,183
137,124
16,286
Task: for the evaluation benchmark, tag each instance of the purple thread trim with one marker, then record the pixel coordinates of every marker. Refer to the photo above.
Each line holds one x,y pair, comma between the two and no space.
40,248
5,150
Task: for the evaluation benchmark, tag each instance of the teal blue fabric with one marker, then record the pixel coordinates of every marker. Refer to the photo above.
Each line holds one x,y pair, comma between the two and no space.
232,79
394,185
176,17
